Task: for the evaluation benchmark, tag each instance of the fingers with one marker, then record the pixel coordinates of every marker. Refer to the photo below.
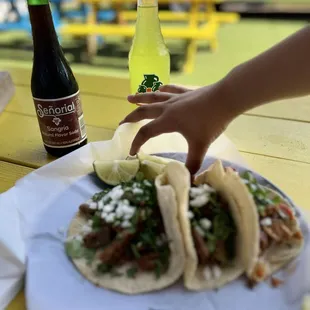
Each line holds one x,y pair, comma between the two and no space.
174,89
149,97
196,154
148,131
143,112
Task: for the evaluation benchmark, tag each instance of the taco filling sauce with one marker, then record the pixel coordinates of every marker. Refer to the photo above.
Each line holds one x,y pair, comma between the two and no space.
213,230
124,225
277,219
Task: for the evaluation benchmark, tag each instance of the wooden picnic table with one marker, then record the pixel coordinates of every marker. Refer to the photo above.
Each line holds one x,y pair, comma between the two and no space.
191,33
274,139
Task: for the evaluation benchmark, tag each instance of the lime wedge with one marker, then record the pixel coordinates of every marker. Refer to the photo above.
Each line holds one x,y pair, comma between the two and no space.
153,158
113,172
151,169
306,303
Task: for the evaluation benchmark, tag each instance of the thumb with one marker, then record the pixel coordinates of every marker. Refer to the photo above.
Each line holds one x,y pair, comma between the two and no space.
174,89
195,156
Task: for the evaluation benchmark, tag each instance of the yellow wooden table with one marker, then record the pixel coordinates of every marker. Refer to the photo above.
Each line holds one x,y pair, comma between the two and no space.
274,139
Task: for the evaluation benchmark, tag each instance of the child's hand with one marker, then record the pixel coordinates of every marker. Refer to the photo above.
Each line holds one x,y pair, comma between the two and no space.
199,115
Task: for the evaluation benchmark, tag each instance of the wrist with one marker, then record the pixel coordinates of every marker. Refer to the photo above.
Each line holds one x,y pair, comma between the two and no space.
228,101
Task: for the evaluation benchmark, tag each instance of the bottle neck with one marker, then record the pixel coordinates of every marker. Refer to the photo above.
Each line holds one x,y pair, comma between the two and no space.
142,3
148,30
43,30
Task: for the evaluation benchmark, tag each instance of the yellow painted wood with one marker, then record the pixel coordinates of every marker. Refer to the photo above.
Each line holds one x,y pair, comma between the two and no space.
111,87
99,85
259,135
184,16
99,111
19,303
108,111
10,173
22,142
294,109
272,137
128,31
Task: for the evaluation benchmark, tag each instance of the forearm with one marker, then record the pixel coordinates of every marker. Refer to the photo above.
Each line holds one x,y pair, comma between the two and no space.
281,72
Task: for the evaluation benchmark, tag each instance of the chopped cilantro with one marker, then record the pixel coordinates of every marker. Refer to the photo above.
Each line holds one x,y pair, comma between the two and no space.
75,250
96,221
135,251
131,272
100,195
108,268
260,194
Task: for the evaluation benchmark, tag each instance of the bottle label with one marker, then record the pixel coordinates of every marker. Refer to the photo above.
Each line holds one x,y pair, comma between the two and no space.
151,83
61,121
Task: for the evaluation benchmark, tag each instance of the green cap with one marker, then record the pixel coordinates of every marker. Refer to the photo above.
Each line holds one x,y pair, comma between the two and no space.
37,2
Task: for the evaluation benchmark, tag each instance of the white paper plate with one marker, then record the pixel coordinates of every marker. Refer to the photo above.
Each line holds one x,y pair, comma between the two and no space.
52,282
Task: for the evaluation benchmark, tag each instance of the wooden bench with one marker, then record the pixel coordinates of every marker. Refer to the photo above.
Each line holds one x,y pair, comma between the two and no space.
191,33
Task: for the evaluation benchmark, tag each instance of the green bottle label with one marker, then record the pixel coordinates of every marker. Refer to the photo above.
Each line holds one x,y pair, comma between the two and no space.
37,2
151,83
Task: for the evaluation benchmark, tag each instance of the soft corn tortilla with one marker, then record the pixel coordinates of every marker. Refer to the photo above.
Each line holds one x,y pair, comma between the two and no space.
277,255
144,281
228,185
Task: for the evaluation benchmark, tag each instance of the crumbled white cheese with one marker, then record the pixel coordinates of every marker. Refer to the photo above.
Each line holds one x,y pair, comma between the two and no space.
216,272
90,222
125,202
253,187
199,201
207,273
114,194
108,208
199,230
137,190
282,214
205,223
126,224
86,229
110,218
78,238
100,204
127,216
245,181
147,183
260,196
201,189
266,221
93,205
190,214
104,215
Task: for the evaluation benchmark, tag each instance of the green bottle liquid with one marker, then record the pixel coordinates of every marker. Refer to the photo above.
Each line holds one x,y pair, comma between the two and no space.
149,58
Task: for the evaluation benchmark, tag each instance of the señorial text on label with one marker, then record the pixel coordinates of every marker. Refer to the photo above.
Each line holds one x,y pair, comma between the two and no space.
61,121
52,111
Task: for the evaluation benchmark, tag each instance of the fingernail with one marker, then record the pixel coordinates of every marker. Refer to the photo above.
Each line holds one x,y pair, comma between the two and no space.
130,97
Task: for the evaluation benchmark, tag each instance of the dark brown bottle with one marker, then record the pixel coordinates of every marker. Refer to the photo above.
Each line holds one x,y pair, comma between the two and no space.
54,88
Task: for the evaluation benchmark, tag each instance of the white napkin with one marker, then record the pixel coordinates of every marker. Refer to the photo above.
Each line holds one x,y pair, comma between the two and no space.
22,205
7,89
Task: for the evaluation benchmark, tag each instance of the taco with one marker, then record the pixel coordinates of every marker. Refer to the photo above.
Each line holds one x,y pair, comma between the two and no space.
279,238
128,239
217,250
